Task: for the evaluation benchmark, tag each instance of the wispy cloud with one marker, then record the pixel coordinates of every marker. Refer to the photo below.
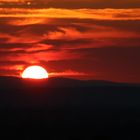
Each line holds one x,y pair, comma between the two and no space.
98,14
100,44
70,73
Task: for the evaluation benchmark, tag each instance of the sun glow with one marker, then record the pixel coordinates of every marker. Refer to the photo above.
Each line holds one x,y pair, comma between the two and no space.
35,72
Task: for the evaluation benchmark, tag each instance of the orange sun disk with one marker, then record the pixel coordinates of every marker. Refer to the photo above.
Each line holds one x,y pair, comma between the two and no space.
35,72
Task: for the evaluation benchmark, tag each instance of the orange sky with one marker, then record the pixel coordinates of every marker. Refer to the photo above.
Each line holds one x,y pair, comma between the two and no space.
83,43
73,3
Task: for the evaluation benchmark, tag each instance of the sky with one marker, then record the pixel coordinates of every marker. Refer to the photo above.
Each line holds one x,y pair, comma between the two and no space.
74,3
83,39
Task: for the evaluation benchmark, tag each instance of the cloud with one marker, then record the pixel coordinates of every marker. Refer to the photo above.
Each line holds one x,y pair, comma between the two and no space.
71,3
98,14
12,0
68,73
102,44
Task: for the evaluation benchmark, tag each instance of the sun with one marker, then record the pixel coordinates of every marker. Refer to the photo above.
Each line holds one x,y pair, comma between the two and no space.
35,72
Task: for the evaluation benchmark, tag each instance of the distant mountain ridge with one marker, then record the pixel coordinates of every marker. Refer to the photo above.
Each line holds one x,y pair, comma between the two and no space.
14,82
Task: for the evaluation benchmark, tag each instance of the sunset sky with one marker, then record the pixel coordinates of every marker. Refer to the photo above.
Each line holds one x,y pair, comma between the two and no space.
84,39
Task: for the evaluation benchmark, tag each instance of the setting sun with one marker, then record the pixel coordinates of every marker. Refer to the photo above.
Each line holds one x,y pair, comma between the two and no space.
35,72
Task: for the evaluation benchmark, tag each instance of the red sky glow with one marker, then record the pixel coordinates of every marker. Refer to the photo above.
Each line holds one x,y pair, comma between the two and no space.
98,41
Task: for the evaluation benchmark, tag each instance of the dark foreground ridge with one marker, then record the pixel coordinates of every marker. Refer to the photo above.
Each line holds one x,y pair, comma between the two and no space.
61,108
54,82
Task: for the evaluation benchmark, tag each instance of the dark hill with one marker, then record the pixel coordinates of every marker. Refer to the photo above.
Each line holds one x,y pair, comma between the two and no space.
14,82
62,108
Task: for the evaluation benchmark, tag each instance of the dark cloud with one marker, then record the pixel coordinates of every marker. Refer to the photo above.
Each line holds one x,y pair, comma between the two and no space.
71,3
6,72
11,63
113,62
95,4
61,43
7,46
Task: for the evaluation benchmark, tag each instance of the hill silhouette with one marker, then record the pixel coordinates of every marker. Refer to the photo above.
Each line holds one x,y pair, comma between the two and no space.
39,109
15,82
